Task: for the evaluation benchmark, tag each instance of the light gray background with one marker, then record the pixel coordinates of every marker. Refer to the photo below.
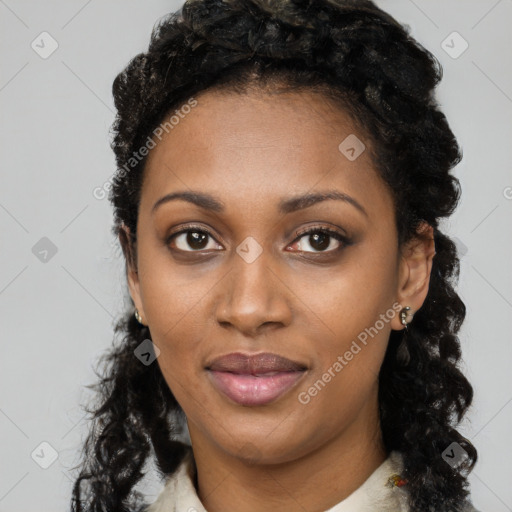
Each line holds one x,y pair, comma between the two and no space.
57,317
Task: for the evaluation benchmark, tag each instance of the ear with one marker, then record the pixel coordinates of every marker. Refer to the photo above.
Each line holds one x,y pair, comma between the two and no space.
128,244
415,267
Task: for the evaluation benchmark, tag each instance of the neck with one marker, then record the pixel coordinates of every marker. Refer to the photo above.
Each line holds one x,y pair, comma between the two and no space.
316,481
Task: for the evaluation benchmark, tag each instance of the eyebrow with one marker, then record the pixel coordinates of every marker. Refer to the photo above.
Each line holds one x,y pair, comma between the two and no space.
288,205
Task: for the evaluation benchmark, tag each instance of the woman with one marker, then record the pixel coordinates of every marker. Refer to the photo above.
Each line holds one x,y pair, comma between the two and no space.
282,170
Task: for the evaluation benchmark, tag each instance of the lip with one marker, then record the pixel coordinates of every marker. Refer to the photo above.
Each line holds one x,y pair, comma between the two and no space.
252,390
252,380
254,364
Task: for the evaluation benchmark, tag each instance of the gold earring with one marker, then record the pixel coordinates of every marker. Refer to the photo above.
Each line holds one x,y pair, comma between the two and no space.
138,317
405,316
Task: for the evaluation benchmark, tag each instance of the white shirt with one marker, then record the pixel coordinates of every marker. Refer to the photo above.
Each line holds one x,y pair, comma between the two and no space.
377,493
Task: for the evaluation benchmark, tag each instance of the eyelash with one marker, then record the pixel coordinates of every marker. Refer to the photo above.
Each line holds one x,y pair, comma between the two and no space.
331,232
345,241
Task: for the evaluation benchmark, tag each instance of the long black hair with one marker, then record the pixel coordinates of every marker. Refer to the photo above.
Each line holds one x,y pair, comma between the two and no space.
353,52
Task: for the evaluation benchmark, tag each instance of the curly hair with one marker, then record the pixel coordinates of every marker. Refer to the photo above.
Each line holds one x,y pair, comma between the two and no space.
354,53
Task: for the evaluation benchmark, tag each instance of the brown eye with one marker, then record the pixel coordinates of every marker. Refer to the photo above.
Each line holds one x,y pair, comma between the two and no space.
192,240
320,240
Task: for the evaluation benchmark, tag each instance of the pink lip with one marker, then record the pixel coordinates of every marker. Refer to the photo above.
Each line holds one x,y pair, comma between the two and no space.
251,390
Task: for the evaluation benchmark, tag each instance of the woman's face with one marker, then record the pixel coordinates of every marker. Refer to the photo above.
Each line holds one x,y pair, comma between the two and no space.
257,284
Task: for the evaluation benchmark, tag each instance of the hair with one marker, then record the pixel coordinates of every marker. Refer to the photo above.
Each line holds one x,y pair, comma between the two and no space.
356,54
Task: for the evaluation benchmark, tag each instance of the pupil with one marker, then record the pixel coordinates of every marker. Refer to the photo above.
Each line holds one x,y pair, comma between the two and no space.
196,240
324,241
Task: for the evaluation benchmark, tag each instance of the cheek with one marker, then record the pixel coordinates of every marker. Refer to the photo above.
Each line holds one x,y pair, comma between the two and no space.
352,296
179,376
174,300
174,296
353,308
345,380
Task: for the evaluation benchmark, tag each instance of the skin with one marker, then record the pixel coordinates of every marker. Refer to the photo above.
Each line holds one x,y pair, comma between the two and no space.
296,299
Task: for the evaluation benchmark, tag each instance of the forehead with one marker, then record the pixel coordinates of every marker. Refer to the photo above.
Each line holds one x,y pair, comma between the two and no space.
256,148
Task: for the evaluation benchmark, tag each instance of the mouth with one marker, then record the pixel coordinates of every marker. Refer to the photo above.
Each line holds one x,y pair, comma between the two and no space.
253,380
252,390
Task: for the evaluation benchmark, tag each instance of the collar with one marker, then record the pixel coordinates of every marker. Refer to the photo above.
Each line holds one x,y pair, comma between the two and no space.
381,491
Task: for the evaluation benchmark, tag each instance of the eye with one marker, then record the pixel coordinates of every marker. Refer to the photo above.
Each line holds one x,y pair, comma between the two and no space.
193,239
320,240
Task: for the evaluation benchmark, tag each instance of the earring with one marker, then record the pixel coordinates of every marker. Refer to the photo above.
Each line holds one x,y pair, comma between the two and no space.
405,316
138,317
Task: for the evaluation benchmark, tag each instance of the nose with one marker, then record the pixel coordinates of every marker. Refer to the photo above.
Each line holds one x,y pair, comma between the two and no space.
254,297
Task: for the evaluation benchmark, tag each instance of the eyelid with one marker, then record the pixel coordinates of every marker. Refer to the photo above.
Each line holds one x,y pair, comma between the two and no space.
315,229
191,227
